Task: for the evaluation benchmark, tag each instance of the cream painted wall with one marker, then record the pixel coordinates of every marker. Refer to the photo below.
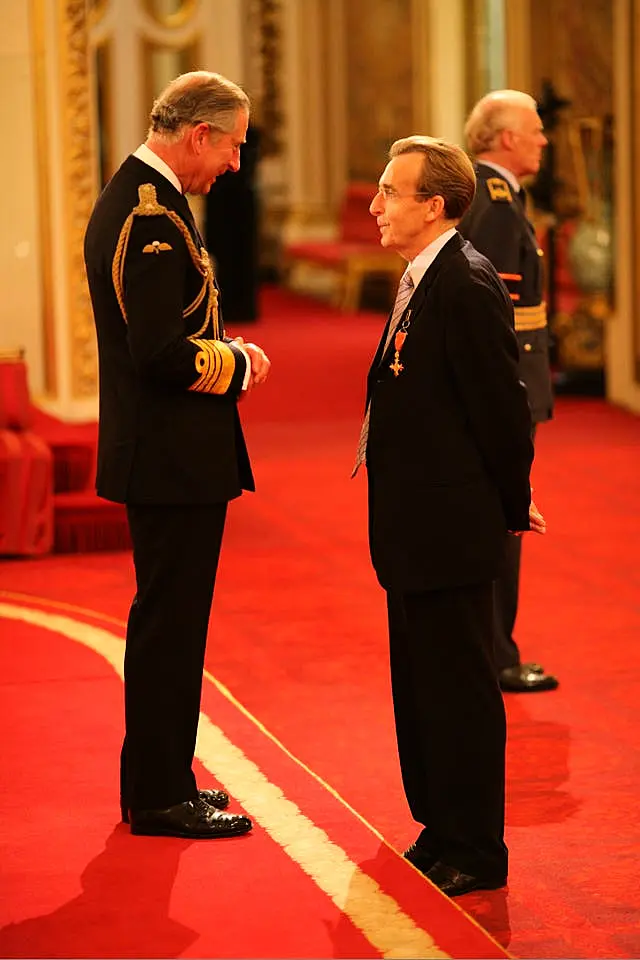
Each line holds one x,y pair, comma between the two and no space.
446,60
20,290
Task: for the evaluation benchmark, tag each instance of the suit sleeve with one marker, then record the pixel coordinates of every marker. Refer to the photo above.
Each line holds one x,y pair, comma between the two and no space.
154,297
483,353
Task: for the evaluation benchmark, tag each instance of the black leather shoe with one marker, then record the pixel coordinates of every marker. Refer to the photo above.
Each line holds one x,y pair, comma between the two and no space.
454,883
420,857
526,678
194,820
215,798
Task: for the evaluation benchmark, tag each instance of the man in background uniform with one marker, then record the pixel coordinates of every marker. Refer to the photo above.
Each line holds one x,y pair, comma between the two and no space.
170,442
505,135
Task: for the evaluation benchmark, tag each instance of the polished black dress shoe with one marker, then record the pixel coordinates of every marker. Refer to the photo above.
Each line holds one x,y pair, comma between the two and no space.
194,820
420,857
215,798
526,678
454,883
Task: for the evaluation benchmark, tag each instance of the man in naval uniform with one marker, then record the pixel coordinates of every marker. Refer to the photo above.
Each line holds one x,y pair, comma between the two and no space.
170,442
505,135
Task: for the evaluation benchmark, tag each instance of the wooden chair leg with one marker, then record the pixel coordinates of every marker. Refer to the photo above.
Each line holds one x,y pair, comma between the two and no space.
352,288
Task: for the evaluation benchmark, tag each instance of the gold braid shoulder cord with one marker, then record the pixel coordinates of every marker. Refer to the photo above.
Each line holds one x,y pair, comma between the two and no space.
149,207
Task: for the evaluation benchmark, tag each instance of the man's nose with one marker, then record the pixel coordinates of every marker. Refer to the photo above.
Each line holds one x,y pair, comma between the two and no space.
374,207
235,163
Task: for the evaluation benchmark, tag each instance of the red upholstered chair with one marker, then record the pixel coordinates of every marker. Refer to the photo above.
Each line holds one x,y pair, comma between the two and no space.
26,468
16,412
356,253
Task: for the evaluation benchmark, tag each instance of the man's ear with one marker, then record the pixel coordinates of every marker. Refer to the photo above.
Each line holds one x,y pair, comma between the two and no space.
199,136
507,139
434,208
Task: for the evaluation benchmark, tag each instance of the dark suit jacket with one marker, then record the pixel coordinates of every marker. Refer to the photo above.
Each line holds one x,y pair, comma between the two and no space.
449,449
169,427
497,226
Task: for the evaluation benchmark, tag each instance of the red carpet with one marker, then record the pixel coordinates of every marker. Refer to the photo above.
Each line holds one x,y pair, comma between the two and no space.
298,636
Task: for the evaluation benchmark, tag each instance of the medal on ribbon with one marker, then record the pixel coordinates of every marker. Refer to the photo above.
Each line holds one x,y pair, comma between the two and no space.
398,342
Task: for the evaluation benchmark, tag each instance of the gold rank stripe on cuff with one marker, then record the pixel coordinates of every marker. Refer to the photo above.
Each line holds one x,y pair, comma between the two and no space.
531,318
216,364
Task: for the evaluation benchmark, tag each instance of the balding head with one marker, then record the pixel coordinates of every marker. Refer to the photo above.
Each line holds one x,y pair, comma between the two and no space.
504,126
197,97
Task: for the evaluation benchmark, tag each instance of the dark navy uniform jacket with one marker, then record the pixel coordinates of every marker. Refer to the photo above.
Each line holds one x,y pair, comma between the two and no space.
169,429
497,226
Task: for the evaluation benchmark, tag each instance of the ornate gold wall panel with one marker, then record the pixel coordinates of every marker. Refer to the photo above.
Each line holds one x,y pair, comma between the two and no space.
263,54
44,194
379,85
79,188
578,58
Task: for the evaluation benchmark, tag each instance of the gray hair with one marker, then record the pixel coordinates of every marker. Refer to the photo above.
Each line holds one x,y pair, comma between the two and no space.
446,171
197,97
495,112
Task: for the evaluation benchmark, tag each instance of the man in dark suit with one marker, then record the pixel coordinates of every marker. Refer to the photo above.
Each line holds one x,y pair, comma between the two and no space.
170,442
232,234
504,132
446,441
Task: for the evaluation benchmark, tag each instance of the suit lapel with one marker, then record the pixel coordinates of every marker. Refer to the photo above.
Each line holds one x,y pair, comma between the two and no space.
419,295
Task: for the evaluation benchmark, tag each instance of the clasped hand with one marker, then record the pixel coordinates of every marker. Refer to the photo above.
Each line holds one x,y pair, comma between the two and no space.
260,363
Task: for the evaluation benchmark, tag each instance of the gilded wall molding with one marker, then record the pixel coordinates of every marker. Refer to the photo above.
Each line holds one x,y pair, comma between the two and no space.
42,132
78,188
265,41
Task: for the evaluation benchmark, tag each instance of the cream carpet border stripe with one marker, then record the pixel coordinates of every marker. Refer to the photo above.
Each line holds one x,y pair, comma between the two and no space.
357,895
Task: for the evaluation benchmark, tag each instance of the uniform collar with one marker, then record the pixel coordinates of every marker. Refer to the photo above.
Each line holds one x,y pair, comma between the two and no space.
508,175
153,160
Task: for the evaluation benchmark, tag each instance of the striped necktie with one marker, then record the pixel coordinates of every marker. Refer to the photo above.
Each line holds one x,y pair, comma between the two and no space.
404,294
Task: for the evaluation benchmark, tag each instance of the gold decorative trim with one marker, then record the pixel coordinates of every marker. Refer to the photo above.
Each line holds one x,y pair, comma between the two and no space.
176,19
531,318
375,914
264,55
39,34
150,207
78,188
97,10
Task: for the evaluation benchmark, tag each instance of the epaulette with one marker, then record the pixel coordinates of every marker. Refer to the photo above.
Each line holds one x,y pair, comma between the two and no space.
149,206
499,190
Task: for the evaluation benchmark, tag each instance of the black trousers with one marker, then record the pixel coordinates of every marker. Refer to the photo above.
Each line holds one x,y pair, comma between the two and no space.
450,724
506,590
175,553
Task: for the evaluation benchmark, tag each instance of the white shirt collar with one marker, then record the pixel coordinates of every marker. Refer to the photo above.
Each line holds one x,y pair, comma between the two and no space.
508,175
420,264
153,160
